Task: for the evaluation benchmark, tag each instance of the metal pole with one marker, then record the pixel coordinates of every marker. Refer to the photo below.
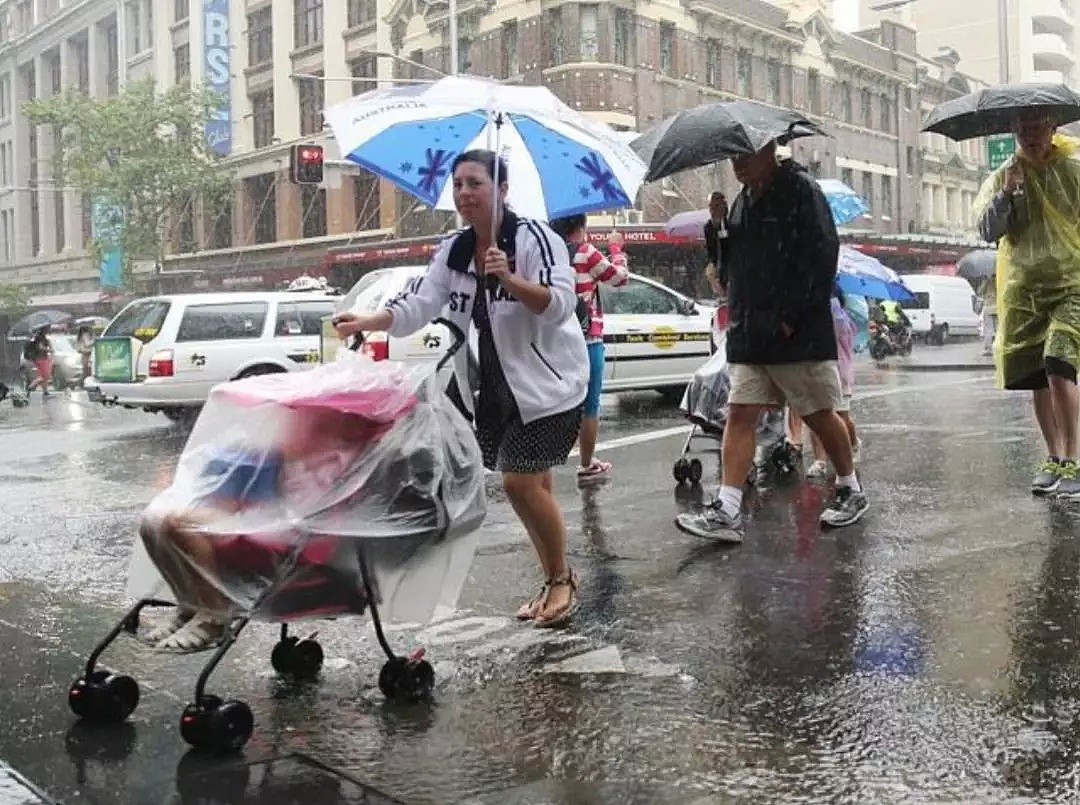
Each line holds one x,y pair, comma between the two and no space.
1003,41
451,11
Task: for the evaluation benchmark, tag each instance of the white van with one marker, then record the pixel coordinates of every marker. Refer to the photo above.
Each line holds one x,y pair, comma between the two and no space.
165,353
945,306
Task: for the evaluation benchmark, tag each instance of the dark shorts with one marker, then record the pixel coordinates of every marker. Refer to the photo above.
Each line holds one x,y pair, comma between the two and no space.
538,446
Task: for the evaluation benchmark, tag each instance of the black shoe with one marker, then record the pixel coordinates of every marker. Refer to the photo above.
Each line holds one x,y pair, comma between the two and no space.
846,508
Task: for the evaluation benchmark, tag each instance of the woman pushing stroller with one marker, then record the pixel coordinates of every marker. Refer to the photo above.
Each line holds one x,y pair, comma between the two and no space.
518,290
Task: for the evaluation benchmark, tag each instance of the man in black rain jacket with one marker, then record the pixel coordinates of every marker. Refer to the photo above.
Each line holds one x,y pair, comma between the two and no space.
778,264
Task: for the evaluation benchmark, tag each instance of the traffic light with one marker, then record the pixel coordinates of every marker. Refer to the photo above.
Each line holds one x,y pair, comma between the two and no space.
306,164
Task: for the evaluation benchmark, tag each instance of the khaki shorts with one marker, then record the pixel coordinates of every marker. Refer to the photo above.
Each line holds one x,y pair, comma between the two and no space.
806,387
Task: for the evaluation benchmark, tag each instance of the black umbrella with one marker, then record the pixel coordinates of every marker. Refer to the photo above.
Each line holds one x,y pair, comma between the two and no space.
718,131
978,265
994,110
27,325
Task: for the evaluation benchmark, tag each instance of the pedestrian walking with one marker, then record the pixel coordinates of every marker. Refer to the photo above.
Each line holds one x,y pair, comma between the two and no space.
84,343
779,265
517,291
591,270
715,231
988,293
39,352
1030,206
845,330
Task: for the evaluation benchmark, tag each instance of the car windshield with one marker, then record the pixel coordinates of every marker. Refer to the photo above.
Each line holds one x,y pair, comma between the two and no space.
922,302
141,320
363,284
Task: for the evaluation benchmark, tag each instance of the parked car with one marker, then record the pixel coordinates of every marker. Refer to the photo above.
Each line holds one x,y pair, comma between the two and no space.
181,346
655,336
67,362
945,306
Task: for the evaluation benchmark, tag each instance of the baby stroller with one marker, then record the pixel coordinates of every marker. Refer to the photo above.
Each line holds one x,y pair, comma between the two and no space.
353,488
705,405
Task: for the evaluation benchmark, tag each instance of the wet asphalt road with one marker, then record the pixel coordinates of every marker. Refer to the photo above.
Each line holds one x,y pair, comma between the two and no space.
926,655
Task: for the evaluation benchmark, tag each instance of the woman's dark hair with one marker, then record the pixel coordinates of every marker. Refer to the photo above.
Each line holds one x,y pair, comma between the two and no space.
482,157
565,227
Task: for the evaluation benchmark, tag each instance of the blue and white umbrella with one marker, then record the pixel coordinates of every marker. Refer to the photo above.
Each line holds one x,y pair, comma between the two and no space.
559,162
845,203
861,274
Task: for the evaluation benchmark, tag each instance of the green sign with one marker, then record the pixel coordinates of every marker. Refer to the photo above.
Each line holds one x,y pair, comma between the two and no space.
113,359
999,150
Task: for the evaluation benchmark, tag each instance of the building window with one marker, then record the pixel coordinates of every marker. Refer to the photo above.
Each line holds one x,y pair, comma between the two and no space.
907,98
262,117
219,227
773,74
311,105
667,48
313,206
868,188
134,27
112,59
553,32
511,64
590,41
5,96
624,37
886,114
847,114
361,12
309,22
5,244
910,166
743,74
262,201
847,176
712,63
260,37
182,62
82,65
363,67
181,10
867,109
887,196
813,92
464,62
366,196
52,73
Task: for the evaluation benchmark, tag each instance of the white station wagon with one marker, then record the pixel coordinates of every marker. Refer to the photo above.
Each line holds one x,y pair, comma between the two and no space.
165,353
655,337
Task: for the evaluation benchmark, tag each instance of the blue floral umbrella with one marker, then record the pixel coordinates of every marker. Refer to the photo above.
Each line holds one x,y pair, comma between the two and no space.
559,162
845,203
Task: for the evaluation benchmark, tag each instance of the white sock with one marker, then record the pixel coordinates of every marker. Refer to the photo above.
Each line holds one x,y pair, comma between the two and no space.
730,499
850,481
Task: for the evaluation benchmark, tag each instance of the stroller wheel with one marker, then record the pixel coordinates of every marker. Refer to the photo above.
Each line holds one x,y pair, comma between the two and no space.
405,680
217,726
299,658
695,471
681,470
104,697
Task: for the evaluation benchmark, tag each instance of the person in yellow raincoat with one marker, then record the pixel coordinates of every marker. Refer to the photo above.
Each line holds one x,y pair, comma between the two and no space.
1031,207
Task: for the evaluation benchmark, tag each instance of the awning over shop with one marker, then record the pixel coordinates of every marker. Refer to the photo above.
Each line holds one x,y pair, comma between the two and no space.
62,300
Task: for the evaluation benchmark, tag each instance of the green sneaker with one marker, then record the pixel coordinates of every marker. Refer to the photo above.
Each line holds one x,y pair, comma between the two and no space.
1048,477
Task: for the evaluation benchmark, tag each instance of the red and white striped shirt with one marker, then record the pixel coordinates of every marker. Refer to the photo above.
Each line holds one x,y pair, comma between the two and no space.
592,268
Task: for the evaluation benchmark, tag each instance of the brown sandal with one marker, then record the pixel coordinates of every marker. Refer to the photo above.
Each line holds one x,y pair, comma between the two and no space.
528,610
562,616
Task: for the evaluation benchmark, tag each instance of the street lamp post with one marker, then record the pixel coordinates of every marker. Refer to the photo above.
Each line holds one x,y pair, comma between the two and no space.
451,11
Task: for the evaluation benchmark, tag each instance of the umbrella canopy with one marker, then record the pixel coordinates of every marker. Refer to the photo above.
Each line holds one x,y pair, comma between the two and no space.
993,110
715,132
27,325
860,274
846,205
559,162
978,265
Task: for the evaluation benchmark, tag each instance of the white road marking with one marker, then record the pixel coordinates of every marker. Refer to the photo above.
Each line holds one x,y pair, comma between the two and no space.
655,435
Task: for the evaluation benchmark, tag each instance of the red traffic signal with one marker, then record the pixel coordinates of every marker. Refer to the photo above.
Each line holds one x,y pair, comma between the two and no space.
306,164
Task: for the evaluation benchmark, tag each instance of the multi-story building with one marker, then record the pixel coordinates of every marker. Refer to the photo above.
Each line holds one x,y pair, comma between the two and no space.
47,46
1042,35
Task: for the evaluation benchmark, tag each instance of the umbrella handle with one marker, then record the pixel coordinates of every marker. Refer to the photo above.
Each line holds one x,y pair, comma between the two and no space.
496,212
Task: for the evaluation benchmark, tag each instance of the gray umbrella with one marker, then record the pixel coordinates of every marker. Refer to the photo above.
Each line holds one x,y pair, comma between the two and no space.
28,325
717,131
993,110
978,265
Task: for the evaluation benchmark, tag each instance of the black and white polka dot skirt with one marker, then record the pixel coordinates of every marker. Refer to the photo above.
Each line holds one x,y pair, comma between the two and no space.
513,446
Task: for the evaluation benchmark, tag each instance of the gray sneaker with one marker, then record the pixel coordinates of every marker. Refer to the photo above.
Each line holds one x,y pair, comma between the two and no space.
713,523
1069,485
846,508
1048,478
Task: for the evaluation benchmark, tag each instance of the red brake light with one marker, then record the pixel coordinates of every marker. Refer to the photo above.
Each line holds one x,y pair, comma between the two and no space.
161,364
377,350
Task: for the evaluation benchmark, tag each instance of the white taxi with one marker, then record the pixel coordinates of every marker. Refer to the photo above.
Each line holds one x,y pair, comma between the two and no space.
655,337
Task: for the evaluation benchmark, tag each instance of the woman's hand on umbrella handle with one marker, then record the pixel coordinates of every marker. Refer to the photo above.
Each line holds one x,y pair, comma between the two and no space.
347,324
1014,178
496,264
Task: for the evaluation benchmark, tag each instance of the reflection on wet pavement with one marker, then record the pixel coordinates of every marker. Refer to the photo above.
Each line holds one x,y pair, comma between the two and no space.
927,655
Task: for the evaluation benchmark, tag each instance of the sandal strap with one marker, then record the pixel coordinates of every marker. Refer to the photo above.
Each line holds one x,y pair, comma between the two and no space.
568,579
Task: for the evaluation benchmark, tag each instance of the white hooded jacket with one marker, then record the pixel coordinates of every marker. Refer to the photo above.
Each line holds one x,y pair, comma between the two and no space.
542,356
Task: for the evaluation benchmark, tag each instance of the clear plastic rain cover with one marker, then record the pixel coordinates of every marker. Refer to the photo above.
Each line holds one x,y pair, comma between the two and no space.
291,486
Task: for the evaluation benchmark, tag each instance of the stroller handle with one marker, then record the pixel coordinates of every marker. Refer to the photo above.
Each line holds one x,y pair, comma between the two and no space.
455,332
